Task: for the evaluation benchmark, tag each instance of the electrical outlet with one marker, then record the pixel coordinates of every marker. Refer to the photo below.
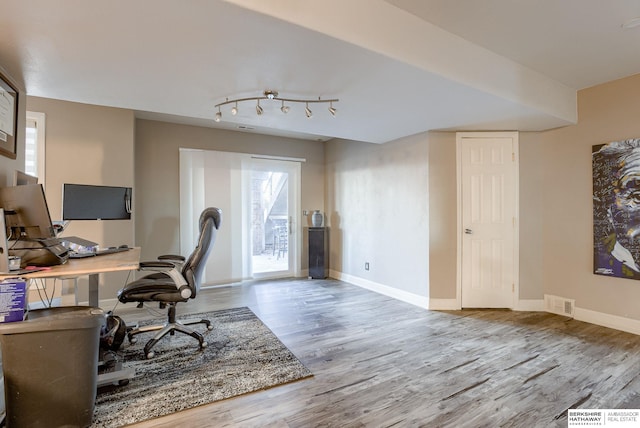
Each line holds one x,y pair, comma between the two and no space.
366,266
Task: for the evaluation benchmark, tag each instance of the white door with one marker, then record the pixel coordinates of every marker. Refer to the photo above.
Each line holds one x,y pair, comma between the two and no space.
272,189
488,212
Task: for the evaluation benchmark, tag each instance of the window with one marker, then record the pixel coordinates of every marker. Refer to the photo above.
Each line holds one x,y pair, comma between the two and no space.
34,145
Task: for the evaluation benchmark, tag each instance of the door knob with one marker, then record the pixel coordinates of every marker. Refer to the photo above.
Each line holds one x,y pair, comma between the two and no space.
468,231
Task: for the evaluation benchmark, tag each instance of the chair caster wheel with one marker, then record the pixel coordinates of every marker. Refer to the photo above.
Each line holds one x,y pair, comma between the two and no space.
123,382
150,355
209,327
203,345
133,340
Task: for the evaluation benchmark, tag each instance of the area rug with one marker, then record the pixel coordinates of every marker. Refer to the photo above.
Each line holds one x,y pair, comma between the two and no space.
242,356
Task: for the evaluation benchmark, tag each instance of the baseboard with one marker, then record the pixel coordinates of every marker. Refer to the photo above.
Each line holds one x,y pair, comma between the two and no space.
530,305
533,305
444,304
607,320
405,296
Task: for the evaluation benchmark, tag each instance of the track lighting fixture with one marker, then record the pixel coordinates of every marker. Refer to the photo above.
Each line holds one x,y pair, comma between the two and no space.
273,95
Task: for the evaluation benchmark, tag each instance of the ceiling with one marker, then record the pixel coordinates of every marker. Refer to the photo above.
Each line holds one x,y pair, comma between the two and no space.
398,67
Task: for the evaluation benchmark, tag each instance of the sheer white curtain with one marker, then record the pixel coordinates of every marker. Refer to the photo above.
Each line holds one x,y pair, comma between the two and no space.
214,179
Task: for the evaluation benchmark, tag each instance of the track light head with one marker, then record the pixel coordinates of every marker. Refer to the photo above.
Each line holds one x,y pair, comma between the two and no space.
234,109
284,108
332,110
218,115
307,111
259,110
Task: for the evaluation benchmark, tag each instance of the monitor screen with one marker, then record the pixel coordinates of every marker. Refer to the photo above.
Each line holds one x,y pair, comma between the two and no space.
88,202
26,212
21,178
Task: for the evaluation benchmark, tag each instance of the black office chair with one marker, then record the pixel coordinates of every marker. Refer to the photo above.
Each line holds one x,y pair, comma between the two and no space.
174,280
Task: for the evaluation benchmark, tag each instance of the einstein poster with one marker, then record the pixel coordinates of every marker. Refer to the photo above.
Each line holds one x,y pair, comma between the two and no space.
616,209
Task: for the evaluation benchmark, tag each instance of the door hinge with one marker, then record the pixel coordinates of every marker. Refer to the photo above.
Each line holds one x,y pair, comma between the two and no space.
513,156
513,288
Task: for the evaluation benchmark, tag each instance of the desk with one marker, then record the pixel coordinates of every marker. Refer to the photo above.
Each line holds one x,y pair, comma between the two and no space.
91,266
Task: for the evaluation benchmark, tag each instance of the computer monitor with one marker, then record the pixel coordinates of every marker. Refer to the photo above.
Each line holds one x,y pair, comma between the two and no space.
90,202
21,178
26,212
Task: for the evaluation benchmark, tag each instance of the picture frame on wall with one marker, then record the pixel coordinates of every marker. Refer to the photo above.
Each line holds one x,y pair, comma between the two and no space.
8,117
616,208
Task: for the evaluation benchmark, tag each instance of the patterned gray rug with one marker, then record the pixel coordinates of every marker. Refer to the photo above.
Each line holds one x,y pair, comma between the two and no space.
243,356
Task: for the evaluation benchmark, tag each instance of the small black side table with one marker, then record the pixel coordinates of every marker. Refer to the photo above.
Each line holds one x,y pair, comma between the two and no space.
318,252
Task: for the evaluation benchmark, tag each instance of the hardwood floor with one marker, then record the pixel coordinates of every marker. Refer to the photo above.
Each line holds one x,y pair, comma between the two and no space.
379,362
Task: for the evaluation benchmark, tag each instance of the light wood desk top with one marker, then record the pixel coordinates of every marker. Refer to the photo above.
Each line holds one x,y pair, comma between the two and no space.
89,266
124,260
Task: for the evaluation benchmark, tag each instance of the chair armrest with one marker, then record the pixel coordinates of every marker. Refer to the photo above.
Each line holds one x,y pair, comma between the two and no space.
170,270
158,266
177,260
172,257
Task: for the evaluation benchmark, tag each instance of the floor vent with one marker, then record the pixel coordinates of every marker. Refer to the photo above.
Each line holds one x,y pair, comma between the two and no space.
559,305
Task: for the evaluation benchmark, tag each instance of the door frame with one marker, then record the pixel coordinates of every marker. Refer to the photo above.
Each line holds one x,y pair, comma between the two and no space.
516,234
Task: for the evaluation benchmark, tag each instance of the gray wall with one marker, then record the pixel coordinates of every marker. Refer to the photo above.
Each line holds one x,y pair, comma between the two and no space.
158,181
442,215
378,211
88,144
607,112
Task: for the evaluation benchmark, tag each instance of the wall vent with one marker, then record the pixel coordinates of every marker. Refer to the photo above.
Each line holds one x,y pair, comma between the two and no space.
559,305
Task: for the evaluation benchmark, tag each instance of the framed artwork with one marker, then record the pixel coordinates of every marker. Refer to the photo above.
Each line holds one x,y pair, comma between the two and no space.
616,209
8,118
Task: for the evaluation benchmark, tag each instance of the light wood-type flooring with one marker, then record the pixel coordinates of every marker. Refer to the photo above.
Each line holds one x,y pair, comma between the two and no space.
379,362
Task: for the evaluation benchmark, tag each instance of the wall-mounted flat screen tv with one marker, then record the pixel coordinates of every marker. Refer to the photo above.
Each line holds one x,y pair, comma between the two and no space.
89,202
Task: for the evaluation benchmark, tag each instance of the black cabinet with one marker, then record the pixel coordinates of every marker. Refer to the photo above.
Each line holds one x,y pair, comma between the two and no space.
318,252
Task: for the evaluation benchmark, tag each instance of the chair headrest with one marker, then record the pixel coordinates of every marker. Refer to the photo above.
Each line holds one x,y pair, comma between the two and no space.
211,213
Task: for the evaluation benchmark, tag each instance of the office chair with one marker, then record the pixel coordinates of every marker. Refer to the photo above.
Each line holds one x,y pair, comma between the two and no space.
174,280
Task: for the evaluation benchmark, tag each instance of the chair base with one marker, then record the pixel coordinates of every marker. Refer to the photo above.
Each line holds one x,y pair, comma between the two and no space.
169,328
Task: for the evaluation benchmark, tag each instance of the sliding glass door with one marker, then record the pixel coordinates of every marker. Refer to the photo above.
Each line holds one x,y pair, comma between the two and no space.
271,190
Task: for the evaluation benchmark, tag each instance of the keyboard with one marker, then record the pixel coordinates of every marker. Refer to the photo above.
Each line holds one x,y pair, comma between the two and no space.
102,252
